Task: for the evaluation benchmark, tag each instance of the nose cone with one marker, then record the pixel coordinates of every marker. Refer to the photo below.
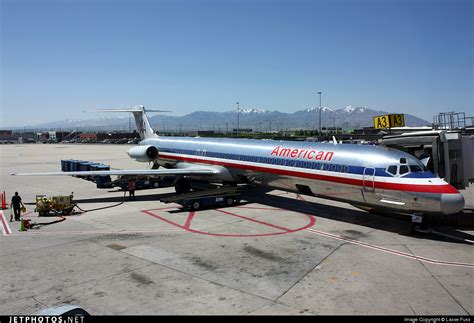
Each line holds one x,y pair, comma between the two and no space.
451,203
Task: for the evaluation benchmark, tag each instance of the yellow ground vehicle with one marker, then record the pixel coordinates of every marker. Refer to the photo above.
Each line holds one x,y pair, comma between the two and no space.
56,205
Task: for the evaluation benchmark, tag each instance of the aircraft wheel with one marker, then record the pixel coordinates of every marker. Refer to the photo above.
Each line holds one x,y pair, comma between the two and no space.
229,201
196,205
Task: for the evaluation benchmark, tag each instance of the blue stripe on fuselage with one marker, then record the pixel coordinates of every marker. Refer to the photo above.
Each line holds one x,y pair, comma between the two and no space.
316,165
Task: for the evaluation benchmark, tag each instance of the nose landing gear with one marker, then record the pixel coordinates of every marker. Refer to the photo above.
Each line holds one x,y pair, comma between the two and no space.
420,226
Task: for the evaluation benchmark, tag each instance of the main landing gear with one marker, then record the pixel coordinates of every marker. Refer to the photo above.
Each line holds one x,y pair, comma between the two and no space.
182,186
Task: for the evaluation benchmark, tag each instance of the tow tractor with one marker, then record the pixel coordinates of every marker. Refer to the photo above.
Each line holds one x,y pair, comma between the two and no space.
221,196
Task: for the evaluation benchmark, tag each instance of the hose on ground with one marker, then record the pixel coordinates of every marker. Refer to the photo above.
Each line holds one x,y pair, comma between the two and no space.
103,207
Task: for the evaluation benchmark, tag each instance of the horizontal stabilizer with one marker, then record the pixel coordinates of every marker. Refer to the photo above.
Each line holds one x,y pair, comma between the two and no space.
141,120
131,109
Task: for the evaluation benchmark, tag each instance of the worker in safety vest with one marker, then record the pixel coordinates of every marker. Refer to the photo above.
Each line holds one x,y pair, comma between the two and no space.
131,188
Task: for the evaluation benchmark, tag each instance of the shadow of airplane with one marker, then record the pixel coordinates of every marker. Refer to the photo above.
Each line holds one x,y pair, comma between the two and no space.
390,222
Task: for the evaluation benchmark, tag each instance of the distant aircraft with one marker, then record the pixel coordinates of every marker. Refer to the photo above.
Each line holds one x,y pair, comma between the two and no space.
365,176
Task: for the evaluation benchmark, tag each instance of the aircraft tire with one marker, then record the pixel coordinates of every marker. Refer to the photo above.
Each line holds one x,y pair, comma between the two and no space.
196,206
229,201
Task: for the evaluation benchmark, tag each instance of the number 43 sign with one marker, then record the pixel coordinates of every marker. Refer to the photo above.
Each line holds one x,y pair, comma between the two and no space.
389,121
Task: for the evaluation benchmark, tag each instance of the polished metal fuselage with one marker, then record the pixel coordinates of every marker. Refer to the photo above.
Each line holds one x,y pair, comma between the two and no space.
356,174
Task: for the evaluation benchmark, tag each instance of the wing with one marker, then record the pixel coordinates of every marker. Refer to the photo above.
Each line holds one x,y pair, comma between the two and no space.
157,172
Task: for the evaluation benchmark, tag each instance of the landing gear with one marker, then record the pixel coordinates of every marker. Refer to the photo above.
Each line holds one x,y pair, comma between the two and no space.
229,201
182,186
416,222
421,225
196,206
417,218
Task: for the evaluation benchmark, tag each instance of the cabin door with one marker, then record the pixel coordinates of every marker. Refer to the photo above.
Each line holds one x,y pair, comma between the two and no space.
368,179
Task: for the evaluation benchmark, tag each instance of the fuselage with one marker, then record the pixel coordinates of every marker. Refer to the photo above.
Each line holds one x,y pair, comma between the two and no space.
363,175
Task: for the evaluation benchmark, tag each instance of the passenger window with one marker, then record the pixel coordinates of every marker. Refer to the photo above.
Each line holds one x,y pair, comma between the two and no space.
346,169
392,169
403,169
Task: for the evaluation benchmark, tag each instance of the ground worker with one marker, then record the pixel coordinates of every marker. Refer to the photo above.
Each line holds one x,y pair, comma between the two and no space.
16,205
131,189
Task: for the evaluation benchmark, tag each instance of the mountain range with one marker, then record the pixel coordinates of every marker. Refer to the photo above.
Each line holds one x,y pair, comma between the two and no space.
254,118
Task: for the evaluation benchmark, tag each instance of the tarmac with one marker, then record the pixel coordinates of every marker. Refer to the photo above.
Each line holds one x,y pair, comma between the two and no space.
274,254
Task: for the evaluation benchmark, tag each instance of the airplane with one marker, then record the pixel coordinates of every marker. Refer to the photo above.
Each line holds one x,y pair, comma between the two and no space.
369,177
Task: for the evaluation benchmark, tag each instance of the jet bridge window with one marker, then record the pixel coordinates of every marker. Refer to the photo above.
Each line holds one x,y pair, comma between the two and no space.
392,170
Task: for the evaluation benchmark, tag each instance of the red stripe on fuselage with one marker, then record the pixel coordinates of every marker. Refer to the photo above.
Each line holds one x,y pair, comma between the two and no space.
439,189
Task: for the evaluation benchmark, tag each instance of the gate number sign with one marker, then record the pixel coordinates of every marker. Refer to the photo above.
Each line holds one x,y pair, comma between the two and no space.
389,121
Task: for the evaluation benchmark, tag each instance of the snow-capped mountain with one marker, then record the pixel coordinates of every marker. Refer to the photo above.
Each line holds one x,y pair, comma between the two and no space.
350,109
252,110
255,118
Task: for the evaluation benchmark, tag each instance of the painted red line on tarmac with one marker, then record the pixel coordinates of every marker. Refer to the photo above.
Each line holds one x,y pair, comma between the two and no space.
386,250
256,221
391,251
163,219
259,208
6,227
312,221
189,219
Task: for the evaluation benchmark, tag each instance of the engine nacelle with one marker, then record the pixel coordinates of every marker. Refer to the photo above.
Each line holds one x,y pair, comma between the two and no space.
143,154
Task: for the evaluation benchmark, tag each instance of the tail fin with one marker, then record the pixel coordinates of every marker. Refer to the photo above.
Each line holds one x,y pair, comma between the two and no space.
141,120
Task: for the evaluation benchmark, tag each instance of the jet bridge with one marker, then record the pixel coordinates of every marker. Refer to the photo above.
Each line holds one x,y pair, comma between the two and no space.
447,153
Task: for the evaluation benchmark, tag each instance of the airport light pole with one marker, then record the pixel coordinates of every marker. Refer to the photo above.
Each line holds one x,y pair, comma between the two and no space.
334,120
238,119
320,112
269,124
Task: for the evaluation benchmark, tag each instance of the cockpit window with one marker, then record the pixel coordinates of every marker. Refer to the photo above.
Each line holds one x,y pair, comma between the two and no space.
403,160
403,169
416,169
392,169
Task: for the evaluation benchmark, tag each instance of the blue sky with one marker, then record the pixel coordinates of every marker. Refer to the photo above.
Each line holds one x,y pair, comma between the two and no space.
61,58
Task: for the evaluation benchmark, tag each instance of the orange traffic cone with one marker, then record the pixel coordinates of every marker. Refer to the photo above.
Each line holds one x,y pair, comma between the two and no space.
4,201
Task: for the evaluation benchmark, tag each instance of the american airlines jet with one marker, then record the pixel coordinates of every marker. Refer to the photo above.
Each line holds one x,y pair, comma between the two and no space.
366,176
